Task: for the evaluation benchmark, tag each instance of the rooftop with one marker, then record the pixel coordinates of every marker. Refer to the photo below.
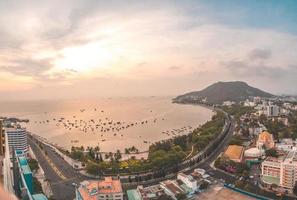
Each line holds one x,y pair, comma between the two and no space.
26,169
189,177
273,159
271,180
133,195
172,187
265,136
23,161
292,156
39,197
90,189
234,152
222,193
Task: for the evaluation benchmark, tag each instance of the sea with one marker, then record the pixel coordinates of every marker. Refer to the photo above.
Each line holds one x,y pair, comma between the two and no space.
110,123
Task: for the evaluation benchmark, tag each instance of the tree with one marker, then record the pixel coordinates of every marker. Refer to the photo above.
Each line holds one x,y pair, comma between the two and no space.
127,151
36,186
181,196
164,197
239,184
93,168
96,150
245,174
33,164
271,152
118,155
77,154
204,185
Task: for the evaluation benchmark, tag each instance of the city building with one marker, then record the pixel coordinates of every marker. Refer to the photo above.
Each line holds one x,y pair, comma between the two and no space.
146,193
253,154
171,188
265,140
280,171
23,178
234,152
288,176
2,150
188,180
228,103
107,189
285,144
2,138
272,110
248,103
200,171
17,139
271,170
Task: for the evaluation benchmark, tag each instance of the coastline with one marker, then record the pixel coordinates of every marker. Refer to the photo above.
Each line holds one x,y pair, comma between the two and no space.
138,135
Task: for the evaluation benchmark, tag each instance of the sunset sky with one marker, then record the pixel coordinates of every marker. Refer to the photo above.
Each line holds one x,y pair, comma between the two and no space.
71,49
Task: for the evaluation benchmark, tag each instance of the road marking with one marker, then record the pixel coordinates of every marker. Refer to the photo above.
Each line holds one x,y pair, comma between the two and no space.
63,181
54,167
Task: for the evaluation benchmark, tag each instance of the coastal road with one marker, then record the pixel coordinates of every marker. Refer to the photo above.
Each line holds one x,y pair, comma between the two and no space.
61,185
221,147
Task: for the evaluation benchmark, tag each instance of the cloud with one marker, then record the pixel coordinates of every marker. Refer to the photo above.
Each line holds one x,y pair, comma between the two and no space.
27,67
144,41
257,54
246,69
174,67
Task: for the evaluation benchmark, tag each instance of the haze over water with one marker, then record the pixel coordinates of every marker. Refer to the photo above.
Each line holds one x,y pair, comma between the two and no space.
161,116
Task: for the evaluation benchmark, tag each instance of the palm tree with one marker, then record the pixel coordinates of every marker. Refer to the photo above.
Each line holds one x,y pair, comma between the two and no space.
96,150
118,155
127,151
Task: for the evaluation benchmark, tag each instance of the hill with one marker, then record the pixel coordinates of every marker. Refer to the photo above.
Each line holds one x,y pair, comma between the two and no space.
219,92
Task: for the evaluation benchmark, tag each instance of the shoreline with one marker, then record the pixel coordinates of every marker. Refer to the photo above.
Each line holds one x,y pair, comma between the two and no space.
143,152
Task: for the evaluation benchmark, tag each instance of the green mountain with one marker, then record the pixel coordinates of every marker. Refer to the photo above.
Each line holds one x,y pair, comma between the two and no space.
219,92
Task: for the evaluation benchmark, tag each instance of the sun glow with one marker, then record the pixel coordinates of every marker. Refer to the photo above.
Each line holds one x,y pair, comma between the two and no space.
88,57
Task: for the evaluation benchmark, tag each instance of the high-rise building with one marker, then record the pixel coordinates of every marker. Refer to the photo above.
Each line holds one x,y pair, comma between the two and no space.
272,110
281,171
2,139
17,139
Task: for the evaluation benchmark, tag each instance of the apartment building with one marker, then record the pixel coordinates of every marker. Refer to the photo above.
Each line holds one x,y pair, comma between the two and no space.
17,139
281,171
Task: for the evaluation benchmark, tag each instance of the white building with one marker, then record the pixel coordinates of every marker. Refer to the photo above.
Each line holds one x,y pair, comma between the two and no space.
253,153
200,171
272,111
17,139
228,103
248,103
188,180
286,144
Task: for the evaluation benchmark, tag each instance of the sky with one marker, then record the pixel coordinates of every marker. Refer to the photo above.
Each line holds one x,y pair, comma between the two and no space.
91,48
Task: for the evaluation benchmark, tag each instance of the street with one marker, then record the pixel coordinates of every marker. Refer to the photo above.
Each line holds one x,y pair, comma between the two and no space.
62,188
